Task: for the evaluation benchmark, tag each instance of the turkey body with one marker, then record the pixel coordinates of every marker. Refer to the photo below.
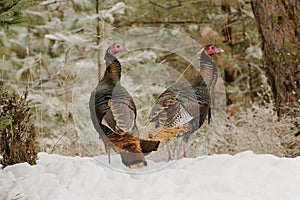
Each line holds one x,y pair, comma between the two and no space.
113,114
181,109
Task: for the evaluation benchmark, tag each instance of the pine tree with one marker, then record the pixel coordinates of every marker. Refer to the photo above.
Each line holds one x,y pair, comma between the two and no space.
278,24
11,11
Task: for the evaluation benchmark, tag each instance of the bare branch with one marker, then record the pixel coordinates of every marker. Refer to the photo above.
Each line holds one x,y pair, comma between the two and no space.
98,40
165,7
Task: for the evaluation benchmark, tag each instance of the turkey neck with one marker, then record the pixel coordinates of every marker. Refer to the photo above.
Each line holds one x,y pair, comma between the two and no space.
206,57
210,69
113,69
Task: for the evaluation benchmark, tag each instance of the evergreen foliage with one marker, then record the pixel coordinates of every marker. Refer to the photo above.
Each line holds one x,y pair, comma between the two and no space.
11,11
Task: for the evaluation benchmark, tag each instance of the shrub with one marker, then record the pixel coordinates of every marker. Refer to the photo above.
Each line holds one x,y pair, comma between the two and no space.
17,134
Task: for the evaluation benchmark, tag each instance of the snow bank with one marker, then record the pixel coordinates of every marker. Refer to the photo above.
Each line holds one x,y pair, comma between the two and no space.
242,177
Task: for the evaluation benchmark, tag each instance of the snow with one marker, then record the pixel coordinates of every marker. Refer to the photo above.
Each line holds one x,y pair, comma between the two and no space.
243,176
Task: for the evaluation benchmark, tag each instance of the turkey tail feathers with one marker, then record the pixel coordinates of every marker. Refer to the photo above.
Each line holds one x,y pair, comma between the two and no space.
148,146
133,160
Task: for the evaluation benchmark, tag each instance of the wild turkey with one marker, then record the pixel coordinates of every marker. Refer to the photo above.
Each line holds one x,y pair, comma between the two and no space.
209,70
113,114
180,110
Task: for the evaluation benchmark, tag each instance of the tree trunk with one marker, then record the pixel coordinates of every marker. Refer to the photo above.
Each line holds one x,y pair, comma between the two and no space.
278,23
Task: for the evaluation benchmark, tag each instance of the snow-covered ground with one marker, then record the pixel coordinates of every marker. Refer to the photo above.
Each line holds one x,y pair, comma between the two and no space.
244,176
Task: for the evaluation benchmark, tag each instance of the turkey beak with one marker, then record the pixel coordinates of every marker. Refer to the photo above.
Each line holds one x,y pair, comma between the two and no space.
220,50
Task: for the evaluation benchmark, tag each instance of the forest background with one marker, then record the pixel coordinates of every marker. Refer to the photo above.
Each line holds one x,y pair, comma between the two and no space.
55,47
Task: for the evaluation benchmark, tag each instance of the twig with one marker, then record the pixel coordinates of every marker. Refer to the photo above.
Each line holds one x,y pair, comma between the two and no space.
59,139
98,40
242,19
46,3
130,23
165,7
250,82
40,81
